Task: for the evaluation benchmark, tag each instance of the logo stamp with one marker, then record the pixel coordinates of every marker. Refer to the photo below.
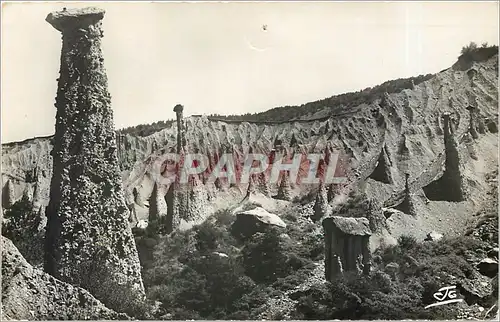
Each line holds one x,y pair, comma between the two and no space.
445,295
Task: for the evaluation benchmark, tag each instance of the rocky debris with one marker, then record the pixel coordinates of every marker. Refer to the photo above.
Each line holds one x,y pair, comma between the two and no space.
31,294
255,220
433,236
473,312
477,289
88,241
346,245
388,212
488,267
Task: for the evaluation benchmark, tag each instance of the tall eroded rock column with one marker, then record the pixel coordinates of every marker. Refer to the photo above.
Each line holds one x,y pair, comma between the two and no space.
174,199
88,241
180,127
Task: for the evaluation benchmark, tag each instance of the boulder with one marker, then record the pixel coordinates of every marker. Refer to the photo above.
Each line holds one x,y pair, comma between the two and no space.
31,294
224,255
433,236
255,220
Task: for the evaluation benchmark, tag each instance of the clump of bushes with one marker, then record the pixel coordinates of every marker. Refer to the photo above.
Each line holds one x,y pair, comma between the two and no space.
23,227
144,130
205,273
472,52
423,268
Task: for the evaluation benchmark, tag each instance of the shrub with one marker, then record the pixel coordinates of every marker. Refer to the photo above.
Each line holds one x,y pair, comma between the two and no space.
263,257
471,47
206,237
406,242
21,225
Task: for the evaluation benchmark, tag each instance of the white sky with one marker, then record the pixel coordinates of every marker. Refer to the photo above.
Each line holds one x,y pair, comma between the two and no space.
215,57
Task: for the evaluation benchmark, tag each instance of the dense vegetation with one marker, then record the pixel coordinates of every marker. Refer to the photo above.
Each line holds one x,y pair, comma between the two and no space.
472,48
205,273
143,130
403,283
21,226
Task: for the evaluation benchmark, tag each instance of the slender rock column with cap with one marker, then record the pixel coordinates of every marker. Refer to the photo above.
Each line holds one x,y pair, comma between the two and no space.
88,240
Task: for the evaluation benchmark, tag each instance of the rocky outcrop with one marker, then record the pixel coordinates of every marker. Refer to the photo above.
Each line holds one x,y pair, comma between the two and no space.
157,208
88,241
407,206
450,186
31,294
382,172
255,220
346,246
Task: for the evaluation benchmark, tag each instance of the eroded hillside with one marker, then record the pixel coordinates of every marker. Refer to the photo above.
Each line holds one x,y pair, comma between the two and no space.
419,162
380,139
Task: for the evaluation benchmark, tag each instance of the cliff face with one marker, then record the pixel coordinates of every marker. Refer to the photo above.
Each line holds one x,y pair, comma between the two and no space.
379,141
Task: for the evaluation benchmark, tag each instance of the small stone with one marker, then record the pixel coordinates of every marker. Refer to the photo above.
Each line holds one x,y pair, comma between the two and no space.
433,236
